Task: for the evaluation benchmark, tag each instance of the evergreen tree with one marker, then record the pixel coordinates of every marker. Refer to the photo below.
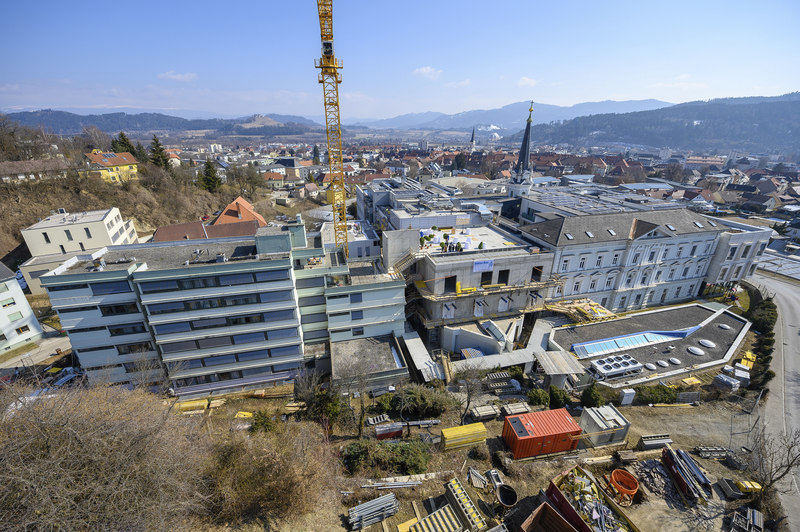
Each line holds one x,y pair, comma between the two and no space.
209,179
122,144
140,153
157,154
316,154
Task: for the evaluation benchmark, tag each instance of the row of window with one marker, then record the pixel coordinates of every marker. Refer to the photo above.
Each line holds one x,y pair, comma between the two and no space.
122,349
18,330
354,298
354,314
98,289
635,260
249,356
219,302
105,310
232,375
114,330
219,341
229,321
234,279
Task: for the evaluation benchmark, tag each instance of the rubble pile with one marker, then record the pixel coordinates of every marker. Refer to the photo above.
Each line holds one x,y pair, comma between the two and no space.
656,479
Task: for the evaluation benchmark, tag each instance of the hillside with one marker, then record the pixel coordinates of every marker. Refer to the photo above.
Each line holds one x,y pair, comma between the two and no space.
759,124
64,123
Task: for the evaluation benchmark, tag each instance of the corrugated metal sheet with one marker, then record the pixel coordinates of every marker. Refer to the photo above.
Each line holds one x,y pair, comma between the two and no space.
539,433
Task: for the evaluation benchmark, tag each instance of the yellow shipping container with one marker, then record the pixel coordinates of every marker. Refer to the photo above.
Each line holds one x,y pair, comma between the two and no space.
463,436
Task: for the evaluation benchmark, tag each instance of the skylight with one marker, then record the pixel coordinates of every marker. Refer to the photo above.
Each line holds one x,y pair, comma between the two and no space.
698,224
569,236
612,232
712,224
670,227
589,234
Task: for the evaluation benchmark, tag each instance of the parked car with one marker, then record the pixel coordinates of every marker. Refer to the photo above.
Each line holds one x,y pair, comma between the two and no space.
68,380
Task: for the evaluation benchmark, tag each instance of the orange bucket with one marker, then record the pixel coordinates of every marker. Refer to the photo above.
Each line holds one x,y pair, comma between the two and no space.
624,482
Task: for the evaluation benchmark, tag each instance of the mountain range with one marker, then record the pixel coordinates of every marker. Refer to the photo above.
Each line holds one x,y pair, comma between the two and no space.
511,116
757,124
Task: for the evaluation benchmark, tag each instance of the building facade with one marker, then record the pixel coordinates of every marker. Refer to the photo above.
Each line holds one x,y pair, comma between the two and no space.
18,324
112,167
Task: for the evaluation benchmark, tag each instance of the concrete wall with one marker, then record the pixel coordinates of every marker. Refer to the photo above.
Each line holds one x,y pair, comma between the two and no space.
396,244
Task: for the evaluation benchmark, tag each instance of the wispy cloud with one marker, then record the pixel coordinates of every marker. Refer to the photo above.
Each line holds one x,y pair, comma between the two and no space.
427,72
680,82
178,76
463,83
525,81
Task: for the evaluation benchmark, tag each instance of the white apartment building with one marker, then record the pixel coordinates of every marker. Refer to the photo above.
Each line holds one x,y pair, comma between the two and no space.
742,245
65,232
18,324
63,235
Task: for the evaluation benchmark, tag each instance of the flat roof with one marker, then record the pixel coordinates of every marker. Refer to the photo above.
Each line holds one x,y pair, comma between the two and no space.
367,355
58,220
492,238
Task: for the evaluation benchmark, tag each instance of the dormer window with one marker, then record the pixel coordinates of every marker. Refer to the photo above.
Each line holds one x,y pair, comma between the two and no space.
589,234
670,227
612,232
569,236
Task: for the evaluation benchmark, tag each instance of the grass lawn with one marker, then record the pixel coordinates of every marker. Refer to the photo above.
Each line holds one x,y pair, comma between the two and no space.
8,355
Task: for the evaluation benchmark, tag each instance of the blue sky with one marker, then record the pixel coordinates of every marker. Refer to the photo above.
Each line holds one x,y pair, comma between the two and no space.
244,57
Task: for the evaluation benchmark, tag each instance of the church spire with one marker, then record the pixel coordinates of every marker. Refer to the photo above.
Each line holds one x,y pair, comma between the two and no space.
523,164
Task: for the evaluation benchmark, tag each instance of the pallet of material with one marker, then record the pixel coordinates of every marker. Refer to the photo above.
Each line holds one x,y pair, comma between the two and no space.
654,441
512,409
482,413
442,520
711,452
463,436
373,511
627,457
498,384
498,376
383,418
463,506
729,488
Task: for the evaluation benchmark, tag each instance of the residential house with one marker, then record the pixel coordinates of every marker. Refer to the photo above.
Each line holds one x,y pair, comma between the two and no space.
239,210
12,171
112,167
18,324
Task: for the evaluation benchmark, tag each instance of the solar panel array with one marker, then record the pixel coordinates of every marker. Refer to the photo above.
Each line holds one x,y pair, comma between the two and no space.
602,347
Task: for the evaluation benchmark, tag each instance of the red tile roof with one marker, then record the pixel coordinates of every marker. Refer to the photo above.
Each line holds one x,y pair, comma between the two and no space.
239,210
109,159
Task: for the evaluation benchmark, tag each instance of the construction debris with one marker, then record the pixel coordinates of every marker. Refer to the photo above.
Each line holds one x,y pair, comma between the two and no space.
711,452
391,485
513,409
463,506
383,418
372,512
478,481
654,441
654,476
483,413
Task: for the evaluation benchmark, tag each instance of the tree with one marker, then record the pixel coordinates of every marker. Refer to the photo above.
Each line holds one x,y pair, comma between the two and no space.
558,397
122,144
779,168
209,179
459,161
315,155
591,397
157,154
674,172
140,153
773,459
470,381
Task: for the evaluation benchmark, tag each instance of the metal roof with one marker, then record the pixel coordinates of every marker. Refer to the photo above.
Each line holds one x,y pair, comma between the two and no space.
559,363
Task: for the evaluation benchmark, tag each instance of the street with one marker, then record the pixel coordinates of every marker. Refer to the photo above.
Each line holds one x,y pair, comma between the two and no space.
46,347
782,413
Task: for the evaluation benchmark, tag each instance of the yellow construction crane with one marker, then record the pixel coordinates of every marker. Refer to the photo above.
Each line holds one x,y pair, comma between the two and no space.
329,78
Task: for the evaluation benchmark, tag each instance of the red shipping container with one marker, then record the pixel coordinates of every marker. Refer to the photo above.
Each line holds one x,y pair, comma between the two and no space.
539,433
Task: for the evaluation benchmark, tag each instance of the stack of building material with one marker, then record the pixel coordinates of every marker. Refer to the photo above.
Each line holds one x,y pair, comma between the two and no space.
463,506
681,475
442,520
372,512
741,375
729,488
711,452
498,376
383,418
469,352
478,481
463,436
482,413
747,519
654,441
512,409
726,383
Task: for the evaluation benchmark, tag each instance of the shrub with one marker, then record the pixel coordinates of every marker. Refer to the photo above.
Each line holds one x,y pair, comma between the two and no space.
655,394
537,396
405,458
764,315
420,402
591,397
479,452
558,397
262,422
516,372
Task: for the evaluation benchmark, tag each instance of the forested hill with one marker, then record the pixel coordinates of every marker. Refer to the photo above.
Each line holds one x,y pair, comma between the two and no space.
64,123
749,124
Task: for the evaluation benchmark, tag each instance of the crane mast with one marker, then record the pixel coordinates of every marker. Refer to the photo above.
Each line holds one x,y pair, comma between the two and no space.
329,78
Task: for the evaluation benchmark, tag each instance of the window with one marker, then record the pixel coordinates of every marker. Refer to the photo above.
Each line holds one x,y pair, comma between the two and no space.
706,248
311,282
61,247
248,338
7,303
611,232
357,315
576,287
46,238
282,333
599,261
270,297
752,269
746,251
698,269
609,282
623,301
355,298
76,309
637,299
88,233
593,284
486,278
569,236
216,361
14,316
114,287
272,275
23,329
615,259
168,328
217,341
235,279
138,347
564,265
629,280
670,227
128,328
685,272
693,251
664,255
723,274
502,276
652,256
712,224
761,248
635,258
582,263
736,272
680,252
66,287
314,318
678,292
589,234
691,289
671,274
658,276
81,245
358,331
158,286
69,234
732,253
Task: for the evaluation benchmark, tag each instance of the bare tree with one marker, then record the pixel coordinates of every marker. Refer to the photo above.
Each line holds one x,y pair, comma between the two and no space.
306,385
353,377
469,380
774,458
